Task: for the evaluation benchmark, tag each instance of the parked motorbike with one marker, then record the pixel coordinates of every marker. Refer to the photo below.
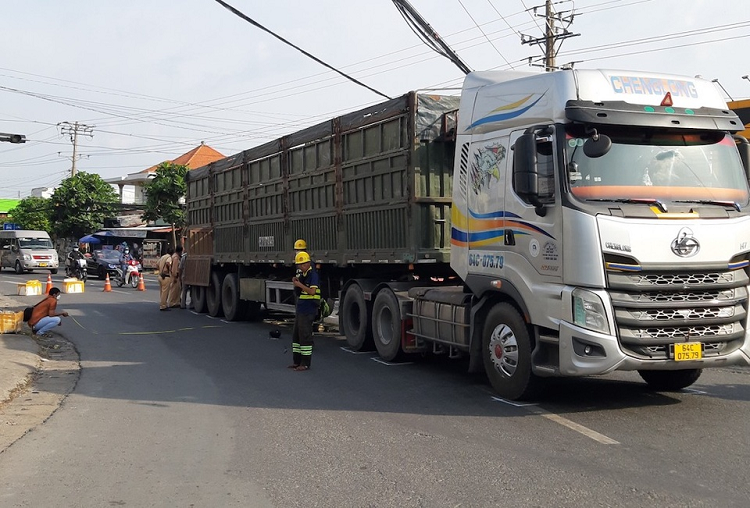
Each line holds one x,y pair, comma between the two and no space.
132,274
78,270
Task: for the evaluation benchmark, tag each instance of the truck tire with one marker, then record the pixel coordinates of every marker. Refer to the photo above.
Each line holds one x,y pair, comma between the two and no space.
506,350
386,325
198,298
354,317
670,380
231,305
213,296
19,268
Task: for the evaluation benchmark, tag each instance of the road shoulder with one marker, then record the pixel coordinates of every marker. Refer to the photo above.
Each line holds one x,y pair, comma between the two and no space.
45,371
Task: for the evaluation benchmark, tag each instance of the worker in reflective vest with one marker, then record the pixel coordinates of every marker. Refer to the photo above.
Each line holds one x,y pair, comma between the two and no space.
307,289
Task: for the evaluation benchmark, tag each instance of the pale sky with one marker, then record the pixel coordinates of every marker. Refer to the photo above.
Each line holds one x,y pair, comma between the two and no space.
155,78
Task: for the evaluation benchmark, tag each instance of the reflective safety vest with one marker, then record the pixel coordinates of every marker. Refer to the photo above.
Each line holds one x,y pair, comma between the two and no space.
306,303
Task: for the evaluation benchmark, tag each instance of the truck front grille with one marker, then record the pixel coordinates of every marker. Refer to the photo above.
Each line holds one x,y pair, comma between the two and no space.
656,309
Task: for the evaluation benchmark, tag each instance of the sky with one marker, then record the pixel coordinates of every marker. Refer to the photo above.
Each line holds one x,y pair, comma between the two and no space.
156,78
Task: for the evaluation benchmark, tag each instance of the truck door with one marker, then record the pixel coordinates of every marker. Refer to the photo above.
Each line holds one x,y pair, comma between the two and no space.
532,240
485,216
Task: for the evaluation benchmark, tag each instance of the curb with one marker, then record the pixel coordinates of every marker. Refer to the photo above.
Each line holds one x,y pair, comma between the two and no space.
36,400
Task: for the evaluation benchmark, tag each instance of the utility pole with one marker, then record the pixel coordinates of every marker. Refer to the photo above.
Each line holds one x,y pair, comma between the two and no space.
552,33
72,129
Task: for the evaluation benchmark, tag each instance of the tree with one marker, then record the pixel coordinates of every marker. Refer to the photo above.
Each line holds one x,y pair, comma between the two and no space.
81,204
33,213
163,196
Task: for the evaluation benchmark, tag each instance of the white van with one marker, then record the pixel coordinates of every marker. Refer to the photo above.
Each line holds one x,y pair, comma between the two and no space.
25,250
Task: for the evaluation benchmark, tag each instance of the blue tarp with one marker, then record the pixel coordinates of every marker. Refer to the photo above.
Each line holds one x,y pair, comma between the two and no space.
89,239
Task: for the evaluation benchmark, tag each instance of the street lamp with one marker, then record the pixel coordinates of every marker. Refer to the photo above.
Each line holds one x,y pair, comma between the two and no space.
12,138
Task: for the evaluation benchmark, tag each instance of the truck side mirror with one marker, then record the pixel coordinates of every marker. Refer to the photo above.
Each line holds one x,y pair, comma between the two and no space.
526,171
597,146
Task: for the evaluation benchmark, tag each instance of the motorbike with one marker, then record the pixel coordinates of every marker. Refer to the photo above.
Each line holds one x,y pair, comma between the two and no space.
132,274
79,270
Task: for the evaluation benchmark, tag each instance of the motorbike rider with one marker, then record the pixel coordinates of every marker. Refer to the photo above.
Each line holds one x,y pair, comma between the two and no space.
124,262
73,257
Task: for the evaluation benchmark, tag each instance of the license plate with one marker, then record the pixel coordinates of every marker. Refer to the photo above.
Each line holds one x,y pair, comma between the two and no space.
42,264
685,351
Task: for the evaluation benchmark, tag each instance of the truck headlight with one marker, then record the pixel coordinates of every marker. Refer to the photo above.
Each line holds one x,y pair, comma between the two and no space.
27,257
588,311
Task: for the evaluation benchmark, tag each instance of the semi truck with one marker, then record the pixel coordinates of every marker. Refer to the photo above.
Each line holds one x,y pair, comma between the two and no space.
568,223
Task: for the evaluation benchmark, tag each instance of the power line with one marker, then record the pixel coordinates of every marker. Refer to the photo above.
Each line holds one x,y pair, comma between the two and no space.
321,62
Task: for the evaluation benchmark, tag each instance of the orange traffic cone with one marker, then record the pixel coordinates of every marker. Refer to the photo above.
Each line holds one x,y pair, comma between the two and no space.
107,284
141,284
49,283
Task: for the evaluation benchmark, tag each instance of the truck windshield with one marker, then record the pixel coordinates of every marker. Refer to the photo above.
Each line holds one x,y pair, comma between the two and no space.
35,243
656,165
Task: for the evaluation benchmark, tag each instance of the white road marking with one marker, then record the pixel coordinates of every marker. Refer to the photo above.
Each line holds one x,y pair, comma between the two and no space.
693,390
511,403
379,360
592,434
352,352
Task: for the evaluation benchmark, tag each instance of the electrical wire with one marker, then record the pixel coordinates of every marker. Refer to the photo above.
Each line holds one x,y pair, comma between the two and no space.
321,62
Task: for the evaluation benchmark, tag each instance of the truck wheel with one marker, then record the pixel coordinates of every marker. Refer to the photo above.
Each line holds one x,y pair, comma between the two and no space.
198,298
354,318
506,350
386,325
19,268
54,271
233,307
670,380
213,296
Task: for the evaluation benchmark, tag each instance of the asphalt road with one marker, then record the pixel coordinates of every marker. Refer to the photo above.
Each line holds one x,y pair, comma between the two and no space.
179,409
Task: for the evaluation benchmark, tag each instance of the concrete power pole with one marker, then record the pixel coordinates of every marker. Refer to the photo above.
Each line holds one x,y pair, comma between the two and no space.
552,34
72,130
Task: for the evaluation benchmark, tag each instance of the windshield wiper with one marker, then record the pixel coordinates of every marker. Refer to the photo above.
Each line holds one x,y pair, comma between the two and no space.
638,201
731,204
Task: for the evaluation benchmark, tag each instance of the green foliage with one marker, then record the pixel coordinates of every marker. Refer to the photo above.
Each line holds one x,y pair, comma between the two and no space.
164,192
81,203
33,213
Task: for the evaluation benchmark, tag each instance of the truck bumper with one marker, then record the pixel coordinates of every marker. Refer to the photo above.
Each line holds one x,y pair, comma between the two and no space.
603,355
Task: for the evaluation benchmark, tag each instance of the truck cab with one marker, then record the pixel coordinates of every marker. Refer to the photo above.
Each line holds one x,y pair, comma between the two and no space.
600,221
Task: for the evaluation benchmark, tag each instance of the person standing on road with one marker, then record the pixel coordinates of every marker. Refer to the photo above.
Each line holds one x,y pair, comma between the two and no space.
306,287
165,268
44,317
175,287
185,287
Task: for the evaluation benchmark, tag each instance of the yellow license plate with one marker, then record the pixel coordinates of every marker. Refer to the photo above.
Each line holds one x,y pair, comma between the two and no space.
685,351
42,264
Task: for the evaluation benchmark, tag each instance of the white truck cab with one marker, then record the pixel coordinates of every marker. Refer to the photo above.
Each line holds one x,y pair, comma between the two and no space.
600,220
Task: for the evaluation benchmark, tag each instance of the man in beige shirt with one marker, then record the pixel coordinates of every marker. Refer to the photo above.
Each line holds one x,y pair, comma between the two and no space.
165,270
175,285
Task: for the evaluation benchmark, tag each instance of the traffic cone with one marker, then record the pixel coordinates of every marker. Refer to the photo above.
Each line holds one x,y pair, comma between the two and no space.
49,283
107,284
141,284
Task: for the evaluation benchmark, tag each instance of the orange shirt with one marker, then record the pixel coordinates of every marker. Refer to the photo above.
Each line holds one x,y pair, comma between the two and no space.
45,308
